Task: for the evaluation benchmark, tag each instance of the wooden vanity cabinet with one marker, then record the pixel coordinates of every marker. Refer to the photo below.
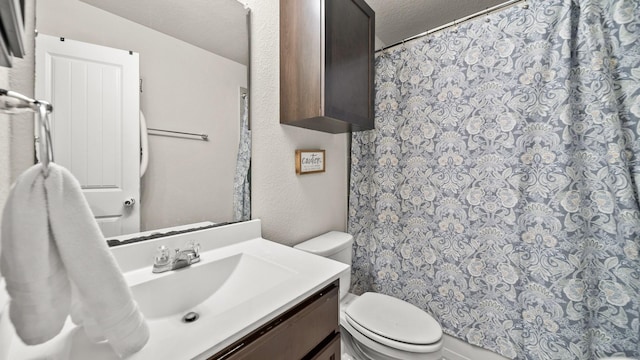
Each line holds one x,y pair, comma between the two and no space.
327,64
309,330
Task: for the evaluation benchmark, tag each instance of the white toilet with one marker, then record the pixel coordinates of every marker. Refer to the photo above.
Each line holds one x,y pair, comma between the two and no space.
377,326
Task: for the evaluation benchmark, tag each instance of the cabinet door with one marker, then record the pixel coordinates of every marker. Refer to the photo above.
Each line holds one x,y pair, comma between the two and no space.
299,333
349,71
326,64
331,351
300,60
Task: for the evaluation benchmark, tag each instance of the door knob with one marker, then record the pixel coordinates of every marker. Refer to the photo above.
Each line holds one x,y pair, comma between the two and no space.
129,202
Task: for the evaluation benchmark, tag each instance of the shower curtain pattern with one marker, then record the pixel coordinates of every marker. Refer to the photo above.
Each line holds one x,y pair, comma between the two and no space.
242,181
497,191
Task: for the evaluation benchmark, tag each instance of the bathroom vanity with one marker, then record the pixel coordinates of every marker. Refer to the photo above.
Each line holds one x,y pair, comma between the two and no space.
252,299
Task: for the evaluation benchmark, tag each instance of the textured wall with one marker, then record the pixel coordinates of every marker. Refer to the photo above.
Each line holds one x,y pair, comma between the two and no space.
22,80
5,145
292,208
16,131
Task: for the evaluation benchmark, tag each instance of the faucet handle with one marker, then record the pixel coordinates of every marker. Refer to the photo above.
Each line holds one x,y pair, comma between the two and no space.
195,247
163,257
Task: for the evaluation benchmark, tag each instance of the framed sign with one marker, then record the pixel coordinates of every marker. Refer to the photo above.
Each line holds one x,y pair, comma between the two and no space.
309,161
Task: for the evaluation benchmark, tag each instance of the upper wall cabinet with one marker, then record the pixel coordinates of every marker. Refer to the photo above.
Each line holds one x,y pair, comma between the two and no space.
326,64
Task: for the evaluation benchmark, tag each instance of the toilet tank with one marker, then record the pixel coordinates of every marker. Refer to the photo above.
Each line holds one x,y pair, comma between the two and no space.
334,245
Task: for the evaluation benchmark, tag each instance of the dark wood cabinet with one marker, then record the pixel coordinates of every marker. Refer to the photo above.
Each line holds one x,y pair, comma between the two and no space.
327,64
309,330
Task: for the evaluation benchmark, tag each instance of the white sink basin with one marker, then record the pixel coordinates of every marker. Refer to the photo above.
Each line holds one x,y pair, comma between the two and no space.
208,284
242,282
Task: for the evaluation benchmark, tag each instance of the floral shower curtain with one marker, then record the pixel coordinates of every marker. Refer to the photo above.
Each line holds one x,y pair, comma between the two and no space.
242,181
497,191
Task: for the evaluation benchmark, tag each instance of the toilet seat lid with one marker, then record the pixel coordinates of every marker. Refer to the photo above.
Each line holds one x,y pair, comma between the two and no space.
393,319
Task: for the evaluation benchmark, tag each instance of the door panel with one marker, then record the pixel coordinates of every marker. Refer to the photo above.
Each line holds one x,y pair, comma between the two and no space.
95,124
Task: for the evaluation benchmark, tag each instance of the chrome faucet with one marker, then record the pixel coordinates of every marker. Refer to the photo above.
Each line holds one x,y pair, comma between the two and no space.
181,258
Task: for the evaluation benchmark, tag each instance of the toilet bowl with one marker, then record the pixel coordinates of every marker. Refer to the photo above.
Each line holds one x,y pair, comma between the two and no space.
377,326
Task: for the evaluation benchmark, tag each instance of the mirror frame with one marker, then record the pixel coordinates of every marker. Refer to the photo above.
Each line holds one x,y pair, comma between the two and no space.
12,16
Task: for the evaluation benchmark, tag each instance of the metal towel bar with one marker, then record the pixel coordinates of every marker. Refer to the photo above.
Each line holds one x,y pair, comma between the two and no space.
204,137
12,102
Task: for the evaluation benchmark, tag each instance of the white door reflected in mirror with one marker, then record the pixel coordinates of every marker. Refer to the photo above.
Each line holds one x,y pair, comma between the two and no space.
95,131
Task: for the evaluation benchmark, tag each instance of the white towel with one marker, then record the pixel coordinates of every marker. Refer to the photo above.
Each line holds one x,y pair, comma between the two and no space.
38,261
35,277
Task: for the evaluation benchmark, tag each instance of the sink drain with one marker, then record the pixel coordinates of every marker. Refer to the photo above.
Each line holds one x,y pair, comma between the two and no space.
190,317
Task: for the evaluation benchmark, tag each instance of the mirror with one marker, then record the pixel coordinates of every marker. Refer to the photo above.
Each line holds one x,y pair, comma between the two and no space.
193,66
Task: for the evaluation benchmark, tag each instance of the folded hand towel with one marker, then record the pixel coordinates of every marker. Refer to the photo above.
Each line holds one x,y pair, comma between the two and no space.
73,236
35,278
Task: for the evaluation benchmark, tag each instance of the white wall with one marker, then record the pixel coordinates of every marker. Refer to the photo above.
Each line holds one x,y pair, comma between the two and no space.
22,81
292,208
185,88
16,131
5,148
5,145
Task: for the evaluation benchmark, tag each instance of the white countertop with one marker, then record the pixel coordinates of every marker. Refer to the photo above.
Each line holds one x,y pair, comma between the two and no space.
219,326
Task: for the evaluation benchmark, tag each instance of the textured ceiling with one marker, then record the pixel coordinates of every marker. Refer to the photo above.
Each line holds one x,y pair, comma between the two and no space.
218,26
399,19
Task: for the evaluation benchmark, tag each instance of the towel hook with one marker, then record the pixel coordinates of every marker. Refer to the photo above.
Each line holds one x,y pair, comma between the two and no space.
14,102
